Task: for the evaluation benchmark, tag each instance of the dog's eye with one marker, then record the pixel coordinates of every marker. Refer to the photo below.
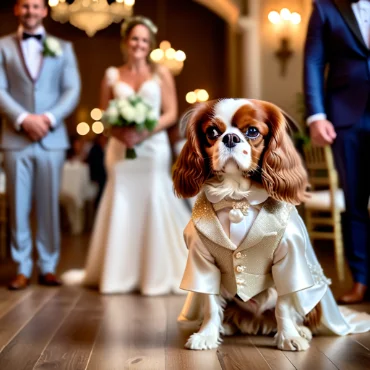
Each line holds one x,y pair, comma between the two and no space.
212,133
252,133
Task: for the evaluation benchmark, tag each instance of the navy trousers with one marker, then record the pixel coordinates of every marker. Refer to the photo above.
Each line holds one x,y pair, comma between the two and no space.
351,151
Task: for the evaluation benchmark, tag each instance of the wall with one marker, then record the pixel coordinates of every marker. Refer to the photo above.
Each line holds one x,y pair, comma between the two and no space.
188,25
275,88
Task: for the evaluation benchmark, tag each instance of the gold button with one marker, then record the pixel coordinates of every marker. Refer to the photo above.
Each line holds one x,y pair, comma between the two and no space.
239,282
238,255
239,268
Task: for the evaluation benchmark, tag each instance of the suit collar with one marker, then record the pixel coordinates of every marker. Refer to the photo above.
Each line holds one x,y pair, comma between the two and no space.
266,224
18,43
345,8
207,223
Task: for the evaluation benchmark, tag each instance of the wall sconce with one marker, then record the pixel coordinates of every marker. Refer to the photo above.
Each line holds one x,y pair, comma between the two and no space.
284,22
196,96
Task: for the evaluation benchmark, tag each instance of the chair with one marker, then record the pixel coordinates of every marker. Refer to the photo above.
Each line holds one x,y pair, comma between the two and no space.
323,209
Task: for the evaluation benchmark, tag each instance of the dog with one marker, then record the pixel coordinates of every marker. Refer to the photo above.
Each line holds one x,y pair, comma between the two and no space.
248,262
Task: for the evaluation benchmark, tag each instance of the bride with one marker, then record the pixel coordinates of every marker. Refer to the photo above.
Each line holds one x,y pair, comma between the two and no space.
137,241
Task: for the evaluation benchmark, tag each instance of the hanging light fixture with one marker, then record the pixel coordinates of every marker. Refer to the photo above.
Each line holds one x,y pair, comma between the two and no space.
91,15
172,59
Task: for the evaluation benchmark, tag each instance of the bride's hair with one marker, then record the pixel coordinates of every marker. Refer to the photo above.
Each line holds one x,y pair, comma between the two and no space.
129,24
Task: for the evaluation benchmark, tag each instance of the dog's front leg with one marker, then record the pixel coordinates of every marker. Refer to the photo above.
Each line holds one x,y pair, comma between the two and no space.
289,337
208,336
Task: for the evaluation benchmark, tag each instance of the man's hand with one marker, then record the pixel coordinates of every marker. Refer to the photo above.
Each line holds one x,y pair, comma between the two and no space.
322,132
36,126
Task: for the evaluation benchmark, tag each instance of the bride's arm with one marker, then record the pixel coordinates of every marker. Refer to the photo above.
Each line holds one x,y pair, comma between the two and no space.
169,100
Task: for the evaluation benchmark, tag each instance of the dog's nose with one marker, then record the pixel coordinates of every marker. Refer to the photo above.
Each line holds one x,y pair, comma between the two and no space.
230,140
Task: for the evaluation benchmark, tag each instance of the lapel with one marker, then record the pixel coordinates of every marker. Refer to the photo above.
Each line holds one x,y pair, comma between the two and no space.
344,7
266,224
23,61
206,222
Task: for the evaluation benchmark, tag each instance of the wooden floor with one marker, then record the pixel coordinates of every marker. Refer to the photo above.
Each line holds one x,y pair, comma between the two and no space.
76,328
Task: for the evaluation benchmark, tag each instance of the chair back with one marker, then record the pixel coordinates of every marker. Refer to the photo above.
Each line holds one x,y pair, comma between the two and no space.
321,170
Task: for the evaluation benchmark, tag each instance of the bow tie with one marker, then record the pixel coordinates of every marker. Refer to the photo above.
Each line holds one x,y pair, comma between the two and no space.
27,36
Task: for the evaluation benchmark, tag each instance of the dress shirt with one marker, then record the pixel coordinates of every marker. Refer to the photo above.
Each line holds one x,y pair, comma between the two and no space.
32,54
361,10
238,231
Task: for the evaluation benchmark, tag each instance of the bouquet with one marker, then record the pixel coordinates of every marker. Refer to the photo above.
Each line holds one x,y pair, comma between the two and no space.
132,111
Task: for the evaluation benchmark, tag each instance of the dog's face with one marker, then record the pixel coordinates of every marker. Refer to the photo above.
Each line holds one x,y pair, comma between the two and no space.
244,137
234,136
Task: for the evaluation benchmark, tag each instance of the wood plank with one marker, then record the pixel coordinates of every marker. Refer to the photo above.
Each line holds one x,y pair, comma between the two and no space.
8,299
14,320
132,334
364,338
239,353
23,351
343,352
70,348
177,357
275,358
311,359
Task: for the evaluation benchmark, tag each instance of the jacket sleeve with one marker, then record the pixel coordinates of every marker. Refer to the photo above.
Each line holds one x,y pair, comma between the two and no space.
201,274
70,86
314,62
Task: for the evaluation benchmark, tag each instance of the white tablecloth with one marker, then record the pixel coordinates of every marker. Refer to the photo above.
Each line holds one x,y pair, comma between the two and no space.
76,189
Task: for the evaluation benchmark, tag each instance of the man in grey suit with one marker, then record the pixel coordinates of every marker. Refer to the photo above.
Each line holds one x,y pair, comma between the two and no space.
39,87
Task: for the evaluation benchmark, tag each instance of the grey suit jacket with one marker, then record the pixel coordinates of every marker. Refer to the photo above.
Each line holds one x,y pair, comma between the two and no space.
56,90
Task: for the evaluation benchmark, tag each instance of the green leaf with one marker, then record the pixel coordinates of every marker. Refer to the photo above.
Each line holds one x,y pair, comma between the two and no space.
131,153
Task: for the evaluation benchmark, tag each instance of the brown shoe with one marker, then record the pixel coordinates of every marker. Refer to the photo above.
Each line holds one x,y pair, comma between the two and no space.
49,279
19,282
355,295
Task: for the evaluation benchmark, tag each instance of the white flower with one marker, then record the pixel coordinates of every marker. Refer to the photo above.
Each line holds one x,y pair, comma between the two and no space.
141,111
112,75
112,113
53,45
128,113
123,103
152,116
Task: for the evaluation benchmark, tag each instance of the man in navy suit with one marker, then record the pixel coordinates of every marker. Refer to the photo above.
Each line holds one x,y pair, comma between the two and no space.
337,95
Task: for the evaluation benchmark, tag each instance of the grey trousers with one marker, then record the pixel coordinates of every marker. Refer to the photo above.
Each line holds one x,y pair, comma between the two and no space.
34,172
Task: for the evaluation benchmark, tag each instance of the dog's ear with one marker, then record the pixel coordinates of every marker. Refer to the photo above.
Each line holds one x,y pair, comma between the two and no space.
283,174
191,169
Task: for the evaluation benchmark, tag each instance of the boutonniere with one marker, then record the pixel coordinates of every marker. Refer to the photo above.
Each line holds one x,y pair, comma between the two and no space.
52,47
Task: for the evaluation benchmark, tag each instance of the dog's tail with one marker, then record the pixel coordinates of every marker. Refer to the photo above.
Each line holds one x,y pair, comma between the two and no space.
313,318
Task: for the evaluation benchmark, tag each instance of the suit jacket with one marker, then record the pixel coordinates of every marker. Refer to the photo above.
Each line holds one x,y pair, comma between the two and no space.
255,264
334,40
56,90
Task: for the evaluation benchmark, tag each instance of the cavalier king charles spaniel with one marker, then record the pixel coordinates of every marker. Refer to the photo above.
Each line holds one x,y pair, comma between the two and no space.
234,146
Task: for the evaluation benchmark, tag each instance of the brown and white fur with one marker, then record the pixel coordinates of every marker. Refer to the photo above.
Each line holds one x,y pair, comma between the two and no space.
238,141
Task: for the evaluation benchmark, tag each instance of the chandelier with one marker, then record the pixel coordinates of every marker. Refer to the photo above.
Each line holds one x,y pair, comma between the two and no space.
172,59
90,15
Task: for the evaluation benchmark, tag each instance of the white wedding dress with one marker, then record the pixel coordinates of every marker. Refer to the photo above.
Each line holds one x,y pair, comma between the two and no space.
137,241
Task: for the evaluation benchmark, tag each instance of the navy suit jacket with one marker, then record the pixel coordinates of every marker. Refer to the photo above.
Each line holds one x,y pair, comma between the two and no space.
334,41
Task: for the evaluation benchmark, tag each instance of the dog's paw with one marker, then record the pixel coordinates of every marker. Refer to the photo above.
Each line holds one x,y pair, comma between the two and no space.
200,341
290,343
305,332
229,329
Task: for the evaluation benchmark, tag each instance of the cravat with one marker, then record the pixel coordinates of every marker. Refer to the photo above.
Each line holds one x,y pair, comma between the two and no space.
26,36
